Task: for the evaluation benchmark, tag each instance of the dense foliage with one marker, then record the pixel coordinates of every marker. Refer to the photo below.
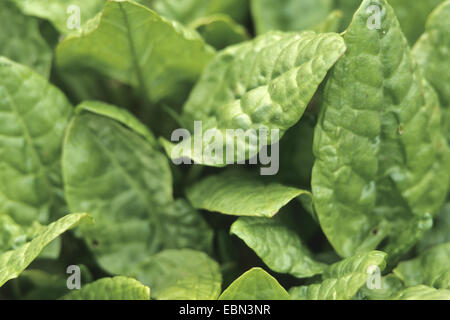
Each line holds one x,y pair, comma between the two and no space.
92,184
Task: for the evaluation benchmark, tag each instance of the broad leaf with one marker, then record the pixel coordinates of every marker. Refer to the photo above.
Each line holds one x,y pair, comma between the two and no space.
135,45
381,161
342,280
13,262
431,268
33,117
432,52
65,15
109,155
422,293
273,94
220,31
289,15
21,40
239,194
440,233
278,245
181,275
117,288
255,284
12,234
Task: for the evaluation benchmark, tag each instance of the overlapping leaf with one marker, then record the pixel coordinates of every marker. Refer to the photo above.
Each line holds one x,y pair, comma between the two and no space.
13,262
113,170
133,44
278,245
342,280
432,52
286,69
33,117
255,284
117,288
181,275
381,161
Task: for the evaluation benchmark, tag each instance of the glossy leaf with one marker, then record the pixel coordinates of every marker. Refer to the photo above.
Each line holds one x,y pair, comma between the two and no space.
431,268
220,31
33,117
117,288
236,193
21,40
286,70
13,262
135,45
65,15
102,160
279,246
343,280
255,284
181,275
422,293
381,161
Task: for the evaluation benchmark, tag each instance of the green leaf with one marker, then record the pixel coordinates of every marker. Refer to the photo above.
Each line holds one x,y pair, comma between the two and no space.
117,288
13,262
235,193
286,71
412,16
220,31
422,293
21,40
279,246
124,181
431,268
133,44
181,275
63,14
289,15
331,24
342,280
255,284
440,233
432,52
381,161
11,234
187,11
33,117
390,285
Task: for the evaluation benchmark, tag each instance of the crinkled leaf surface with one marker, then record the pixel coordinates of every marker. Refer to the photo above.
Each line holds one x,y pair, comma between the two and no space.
255,284
432,52
13,262
381,161
342,280
11,233
279,246
21,40
133,44
412,16
63,14
33,117
286,69
289,15
181,275
117,288
431,268
236,193
118,175
422,293
220,31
